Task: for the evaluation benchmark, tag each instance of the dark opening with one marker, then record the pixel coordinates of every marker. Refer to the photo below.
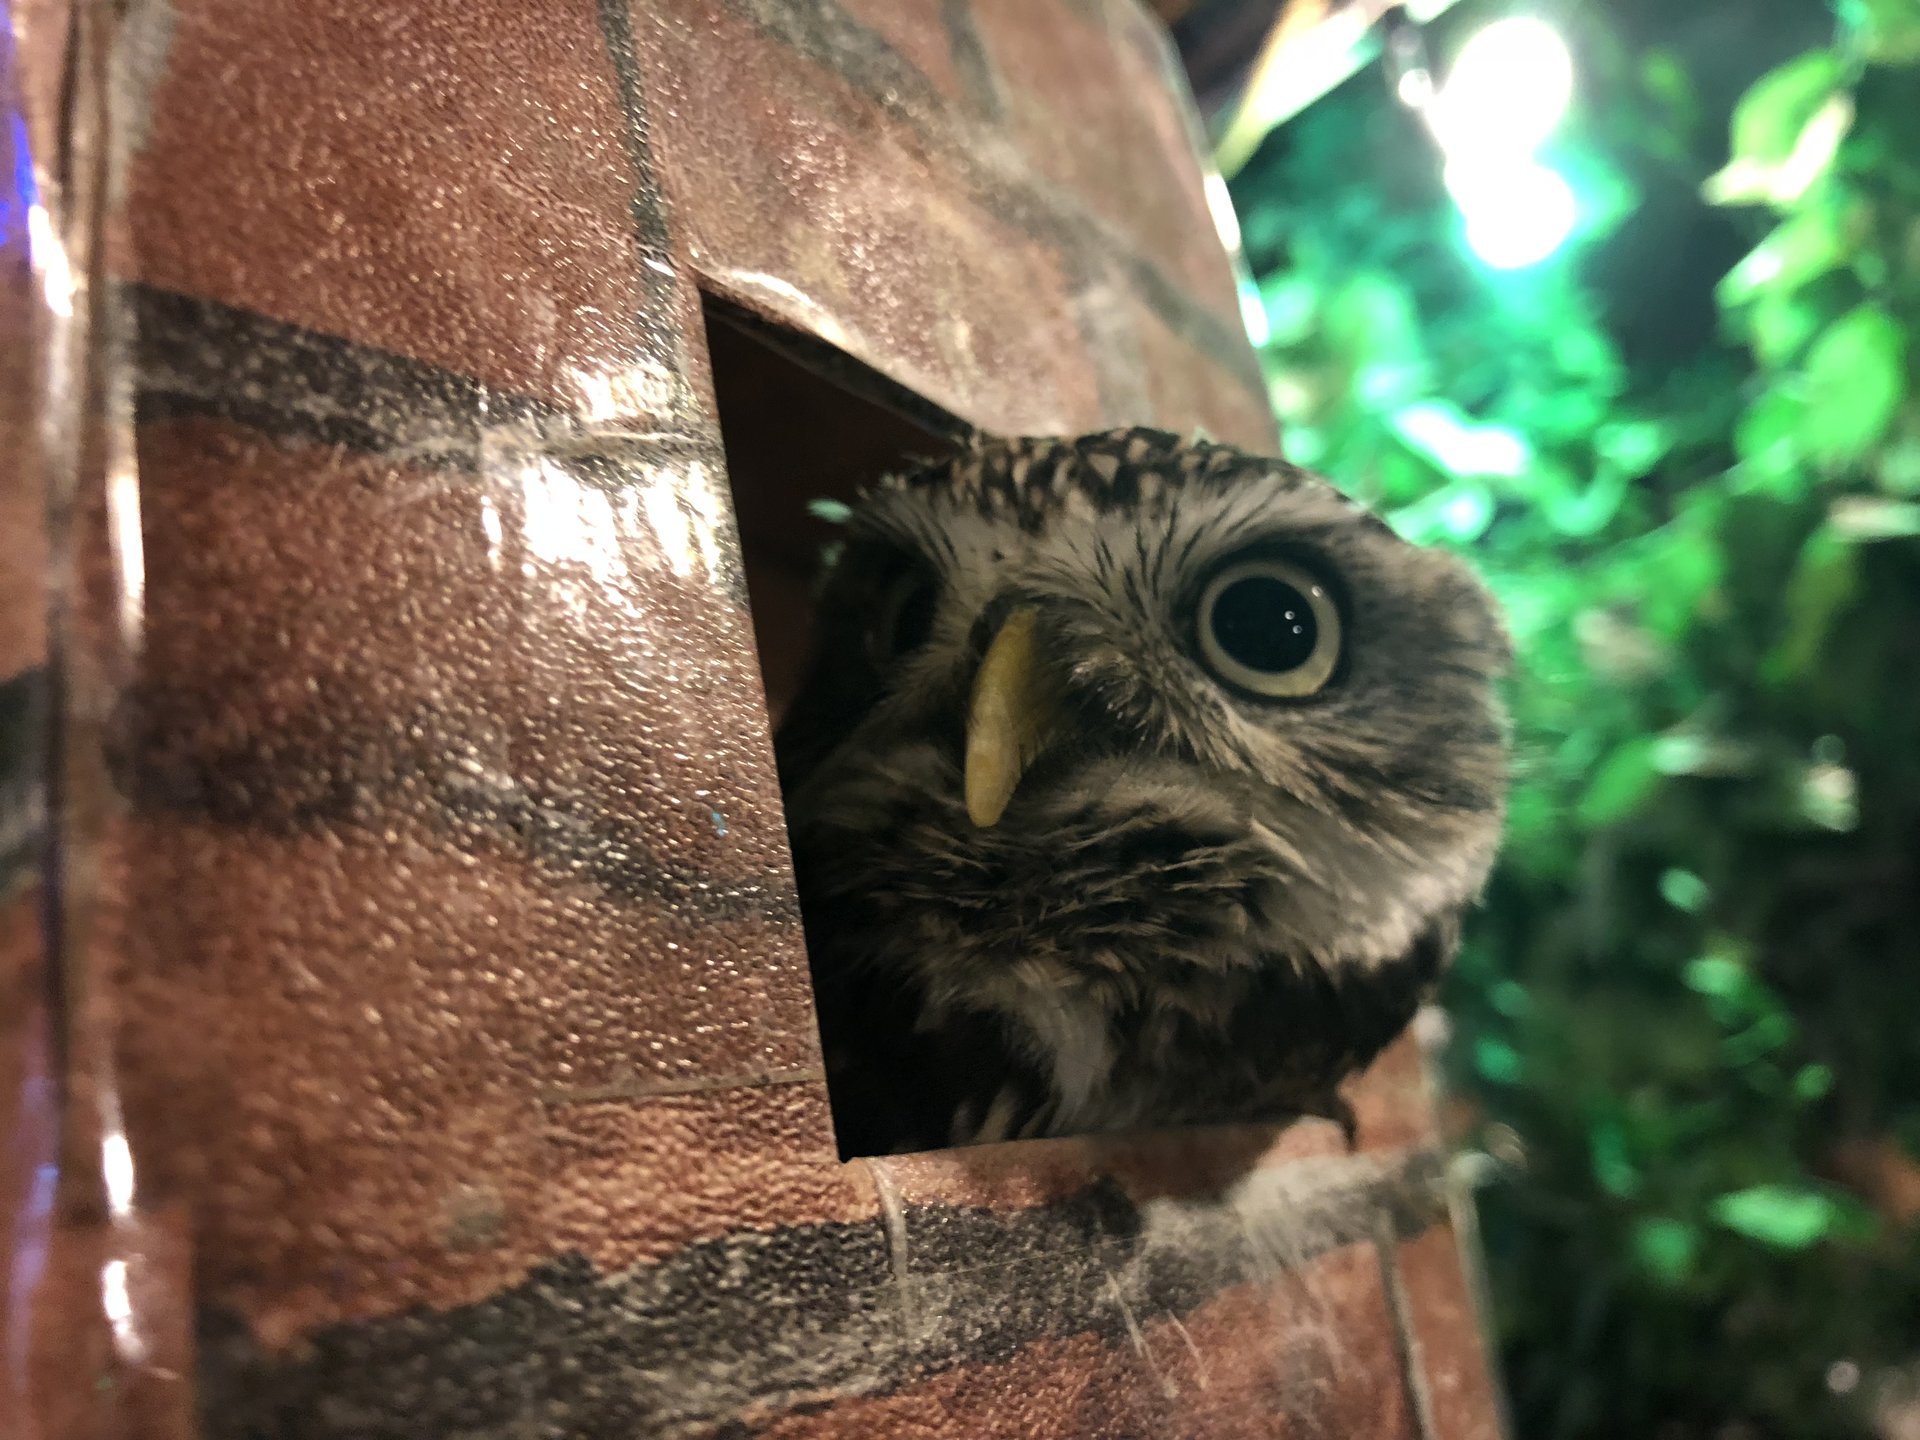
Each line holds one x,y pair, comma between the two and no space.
802,421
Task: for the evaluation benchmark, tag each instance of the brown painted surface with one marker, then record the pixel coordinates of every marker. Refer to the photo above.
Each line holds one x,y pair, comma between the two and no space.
990,215
950,298
23,542
536,844
110,1317
1023,1175
27,1152
941,43
40,29
1069,75
1196,387
1449,1348
368,171
432,899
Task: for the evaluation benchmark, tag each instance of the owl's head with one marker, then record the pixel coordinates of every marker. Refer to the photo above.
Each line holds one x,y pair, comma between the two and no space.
1131,701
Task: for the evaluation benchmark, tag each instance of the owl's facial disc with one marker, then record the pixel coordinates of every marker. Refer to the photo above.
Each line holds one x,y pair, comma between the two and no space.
1265,627
1011,715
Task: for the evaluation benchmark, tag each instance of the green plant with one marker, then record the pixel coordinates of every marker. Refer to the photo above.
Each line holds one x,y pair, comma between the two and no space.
1684,1025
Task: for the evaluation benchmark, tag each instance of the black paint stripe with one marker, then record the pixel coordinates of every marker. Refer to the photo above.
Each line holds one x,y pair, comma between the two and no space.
666,286
649,208
737,1332
971,60
334,776
23,793
823,32
200,357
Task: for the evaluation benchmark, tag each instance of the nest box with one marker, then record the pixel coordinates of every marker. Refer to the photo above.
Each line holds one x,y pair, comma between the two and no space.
412,409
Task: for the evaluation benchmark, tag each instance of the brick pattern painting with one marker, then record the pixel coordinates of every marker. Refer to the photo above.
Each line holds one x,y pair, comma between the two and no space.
450,990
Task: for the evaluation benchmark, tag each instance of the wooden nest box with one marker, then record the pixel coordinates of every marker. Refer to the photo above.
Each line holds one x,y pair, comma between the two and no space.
403,1010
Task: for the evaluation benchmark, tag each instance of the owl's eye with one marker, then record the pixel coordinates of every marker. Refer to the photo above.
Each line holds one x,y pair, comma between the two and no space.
1269,626
904,618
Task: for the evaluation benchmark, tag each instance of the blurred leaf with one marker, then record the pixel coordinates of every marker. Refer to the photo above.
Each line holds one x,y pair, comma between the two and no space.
1611,1165
1666,1248
1856,379
1767,1034
1785,131
1700,752
1617,648
1682,570
1808,243
1460,512
1868,517
1779,325
1537,834
1465,512
1719,975
1634,446
1830,797
1623,784
1667,81
1889,30
1786,1217
1291,303
1371,320
1898,468
1767,437
1814,1082
1305,444
1442,432
1510,999
1497,1061
1683,890
1584,352
1825,580
1591,510
1401,477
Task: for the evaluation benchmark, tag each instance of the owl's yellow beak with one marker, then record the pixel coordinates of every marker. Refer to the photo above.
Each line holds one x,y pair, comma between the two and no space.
1010,718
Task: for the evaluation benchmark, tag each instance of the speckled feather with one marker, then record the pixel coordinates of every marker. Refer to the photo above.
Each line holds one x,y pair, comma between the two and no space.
1200,904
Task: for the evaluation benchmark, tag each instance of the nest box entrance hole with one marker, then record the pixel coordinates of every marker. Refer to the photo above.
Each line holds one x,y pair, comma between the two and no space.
802,422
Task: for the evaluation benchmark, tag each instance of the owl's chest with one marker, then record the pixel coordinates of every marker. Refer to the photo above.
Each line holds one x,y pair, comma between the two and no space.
1065,1032
1111,1055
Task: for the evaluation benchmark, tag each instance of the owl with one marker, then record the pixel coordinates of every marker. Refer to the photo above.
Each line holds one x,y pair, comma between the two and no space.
1134,782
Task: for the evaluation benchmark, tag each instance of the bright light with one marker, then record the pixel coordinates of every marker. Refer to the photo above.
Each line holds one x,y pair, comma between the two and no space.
1518,212
117,1300
1220,206
116,1169
1439,430
50,258
1507,90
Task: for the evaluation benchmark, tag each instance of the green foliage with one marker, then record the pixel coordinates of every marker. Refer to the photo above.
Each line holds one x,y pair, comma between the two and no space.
1688,1000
